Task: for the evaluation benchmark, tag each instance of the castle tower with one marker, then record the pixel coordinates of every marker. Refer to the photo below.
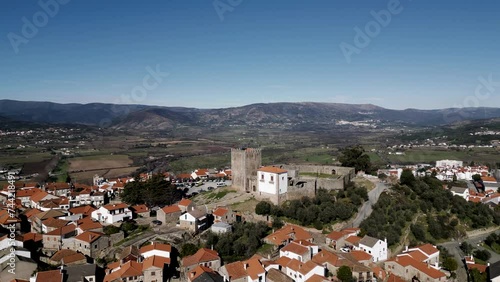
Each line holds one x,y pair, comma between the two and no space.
244,165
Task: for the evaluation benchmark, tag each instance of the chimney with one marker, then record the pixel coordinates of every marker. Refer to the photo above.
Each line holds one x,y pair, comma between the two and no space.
192,274
245,265
406,248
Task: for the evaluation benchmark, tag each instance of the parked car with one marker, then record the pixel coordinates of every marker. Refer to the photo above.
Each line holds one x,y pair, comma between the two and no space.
221,184
156,222
345,250
210,188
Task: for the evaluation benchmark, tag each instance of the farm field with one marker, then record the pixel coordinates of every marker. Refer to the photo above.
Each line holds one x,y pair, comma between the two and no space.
482,155
98,162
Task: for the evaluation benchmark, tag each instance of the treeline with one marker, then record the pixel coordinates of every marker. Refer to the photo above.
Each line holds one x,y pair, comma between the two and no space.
242,243
446,216
326,207
153,192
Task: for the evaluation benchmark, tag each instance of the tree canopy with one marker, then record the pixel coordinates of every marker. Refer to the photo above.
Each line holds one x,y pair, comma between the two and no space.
153,192
355,156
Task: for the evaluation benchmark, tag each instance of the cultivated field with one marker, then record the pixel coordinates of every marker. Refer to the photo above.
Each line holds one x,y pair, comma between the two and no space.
99,162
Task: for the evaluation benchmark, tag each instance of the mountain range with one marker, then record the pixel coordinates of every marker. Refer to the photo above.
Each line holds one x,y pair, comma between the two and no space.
166,118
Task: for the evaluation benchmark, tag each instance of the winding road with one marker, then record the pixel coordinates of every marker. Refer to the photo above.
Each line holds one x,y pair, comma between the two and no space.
366,209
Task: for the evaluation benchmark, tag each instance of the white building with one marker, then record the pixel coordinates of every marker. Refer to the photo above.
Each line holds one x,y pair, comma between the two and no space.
112,213
156,249
221,227
449,163
373,246
460,191
272,180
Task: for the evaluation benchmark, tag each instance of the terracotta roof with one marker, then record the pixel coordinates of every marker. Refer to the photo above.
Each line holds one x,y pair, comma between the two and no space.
254,268
184,202
394,278
89,236
27,192
295,248
35,237
335,235
49,276
128,269
59,255
156,261
140,208
353,239
113,265
302,267
317,278
55,222
62,230
112,207
220,212
488,179
428,249
156,246
74,258
419,256
38,196
5,217
199,270
202,255
272,169
360,255
85,210
420,266
171,209
325,257
236,270
288,232
88,224
481,267
50,213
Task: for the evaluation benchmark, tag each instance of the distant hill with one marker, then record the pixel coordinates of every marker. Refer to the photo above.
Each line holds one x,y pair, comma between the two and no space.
142,117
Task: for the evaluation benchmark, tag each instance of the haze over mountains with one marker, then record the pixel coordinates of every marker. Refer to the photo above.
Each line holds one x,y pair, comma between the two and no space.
153,117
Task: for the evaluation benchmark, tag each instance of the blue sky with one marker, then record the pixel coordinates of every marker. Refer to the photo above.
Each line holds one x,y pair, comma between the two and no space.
429,55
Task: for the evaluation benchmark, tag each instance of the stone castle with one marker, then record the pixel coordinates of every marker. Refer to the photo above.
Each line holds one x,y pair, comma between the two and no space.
299,180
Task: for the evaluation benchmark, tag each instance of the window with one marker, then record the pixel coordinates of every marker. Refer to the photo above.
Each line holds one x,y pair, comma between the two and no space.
95,246
262,176
272,178
153,273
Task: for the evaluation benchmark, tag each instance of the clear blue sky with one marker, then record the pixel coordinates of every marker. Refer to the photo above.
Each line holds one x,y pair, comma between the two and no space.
430,55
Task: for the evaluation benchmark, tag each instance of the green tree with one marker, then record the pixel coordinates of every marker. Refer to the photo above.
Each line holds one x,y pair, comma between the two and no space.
188,249
418,231
263,208
450,264
407,177
483,255
344,274
476,177
466,248
277,223
355,156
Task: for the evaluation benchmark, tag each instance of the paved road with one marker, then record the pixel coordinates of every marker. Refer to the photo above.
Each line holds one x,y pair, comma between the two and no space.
454,248
366,209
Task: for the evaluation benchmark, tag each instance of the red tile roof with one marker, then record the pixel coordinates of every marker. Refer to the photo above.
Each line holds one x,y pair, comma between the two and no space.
112,207
272,169
406,261
184,202
171,209
49,276
140,208
220,211
89,236
156,261
156,246
288,232
202,255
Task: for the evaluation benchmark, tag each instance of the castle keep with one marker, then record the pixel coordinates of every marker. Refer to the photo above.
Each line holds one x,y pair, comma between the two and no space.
279,183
